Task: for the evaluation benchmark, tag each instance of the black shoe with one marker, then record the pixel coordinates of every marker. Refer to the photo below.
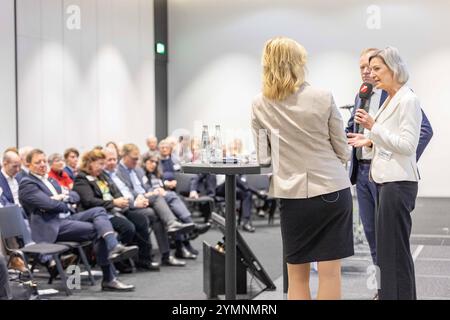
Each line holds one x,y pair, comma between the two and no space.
116,285
184,253
248,227
120,252
171,261
199,228
147,265
178,227
123,267
190,248
202,228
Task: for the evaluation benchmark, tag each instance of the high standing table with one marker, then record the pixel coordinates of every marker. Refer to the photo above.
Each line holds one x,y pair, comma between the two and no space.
230,171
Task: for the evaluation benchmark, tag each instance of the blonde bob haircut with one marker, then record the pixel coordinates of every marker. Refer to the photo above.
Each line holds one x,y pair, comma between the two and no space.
283,63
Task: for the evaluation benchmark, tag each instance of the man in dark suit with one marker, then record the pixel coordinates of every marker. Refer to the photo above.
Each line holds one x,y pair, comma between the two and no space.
132,178
9,187
53,219
3,200
71,156
366,189
203,184
140,205
8,182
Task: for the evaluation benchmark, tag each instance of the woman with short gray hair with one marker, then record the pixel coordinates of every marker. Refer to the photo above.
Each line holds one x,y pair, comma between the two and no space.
393,140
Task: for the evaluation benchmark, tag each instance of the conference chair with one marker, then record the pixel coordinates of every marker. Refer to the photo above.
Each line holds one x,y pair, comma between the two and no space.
11,227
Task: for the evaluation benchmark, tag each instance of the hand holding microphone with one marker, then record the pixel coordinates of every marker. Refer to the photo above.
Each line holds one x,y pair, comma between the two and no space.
365,92
364,119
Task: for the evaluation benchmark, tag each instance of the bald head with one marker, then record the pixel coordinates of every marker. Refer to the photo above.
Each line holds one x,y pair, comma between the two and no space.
11,163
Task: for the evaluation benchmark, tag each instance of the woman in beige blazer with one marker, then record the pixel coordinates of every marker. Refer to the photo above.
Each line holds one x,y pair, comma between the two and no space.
299,131
394,136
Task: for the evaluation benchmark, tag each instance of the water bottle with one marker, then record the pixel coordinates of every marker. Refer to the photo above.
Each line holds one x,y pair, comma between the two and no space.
218,153
205,147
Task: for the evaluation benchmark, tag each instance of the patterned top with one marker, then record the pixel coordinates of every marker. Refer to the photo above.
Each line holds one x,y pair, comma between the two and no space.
104,188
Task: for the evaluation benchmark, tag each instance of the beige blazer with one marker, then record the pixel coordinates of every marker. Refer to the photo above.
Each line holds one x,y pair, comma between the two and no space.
303,138
395,137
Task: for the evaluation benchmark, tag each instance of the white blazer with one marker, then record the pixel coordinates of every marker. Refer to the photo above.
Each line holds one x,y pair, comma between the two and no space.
395,136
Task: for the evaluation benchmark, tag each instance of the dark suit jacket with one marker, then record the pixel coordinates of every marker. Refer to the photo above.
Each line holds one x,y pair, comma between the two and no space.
167,168
426,132
91,195
3,201
6,189
22,174
35,198
124,175
69,172
204,184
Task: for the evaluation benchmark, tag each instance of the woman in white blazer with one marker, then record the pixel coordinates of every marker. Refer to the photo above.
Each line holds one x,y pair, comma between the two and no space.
394,136
299,131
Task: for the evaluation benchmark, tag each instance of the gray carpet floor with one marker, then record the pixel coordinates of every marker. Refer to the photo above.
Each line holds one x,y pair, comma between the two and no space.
430,245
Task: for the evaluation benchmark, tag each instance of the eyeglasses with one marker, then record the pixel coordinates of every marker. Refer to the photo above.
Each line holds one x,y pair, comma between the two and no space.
134,159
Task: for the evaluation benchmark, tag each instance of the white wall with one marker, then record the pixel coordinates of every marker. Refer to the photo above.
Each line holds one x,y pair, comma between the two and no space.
215,48
85,86
7,76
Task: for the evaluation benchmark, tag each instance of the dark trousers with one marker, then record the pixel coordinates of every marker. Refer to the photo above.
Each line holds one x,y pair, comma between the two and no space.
87,225
245,197
396,201
366,192
178,207
162,209
142,235
157,226
124,227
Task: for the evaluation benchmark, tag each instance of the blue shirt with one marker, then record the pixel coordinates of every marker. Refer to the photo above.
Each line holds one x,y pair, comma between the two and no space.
120,184
137,186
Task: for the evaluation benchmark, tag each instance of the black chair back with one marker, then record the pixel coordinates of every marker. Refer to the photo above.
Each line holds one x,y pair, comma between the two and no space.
183,183
258,181
10,222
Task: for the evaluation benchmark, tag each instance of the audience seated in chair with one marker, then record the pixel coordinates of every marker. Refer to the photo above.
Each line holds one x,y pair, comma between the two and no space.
203,184
167,165
71,156
54,218
96,190
140,204
9,194
133,177
152,145
23,153
152,181
57,171
244,194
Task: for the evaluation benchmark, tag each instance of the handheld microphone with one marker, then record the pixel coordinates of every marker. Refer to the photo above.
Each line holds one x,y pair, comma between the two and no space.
365,92
347,107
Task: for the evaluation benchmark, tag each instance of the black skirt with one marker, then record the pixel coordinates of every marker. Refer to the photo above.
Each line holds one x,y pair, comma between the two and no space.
318,228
